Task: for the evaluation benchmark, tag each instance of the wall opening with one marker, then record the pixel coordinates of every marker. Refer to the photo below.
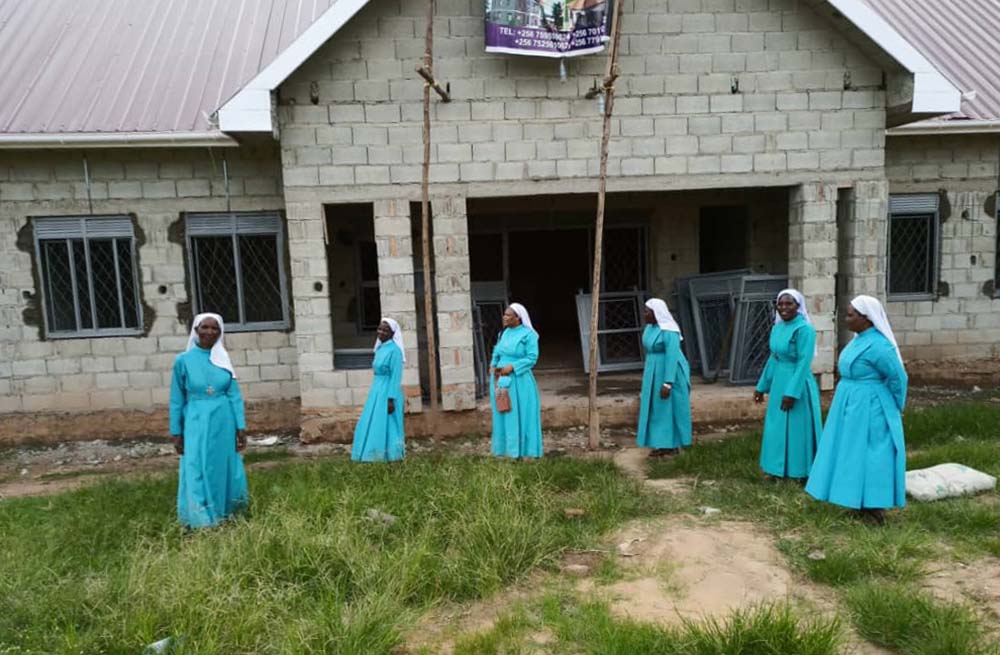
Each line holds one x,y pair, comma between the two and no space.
352,261
723,238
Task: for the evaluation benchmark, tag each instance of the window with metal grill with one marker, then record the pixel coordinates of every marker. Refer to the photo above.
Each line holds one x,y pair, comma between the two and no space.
89,279
996,254
237,268
914,231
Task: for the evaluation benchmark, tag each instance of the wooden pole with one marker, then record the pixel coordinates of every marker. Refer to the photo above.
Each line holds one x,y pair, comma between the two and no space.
594,438
425,233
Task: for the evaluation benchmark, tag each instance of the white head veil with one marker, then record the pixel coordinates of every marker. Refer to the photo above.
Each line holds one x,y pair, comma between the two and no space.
873,310
663,316
522,314
397,336
219,356
799,298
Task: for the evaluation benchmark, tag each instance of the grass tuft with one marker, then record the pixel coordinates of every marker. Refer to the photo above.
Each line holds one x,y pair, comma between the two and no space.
590,627
913,623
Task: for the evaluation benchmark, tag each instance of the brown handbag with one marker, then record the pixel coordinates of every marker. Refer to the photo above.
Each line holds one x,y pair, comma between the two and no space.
502,400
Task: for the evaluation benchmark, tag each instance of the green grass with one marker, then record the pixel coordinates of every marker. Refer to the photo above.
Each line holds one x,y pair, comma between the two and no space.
914,623
968,434
508,636
879,570
107,569
271,455
588,627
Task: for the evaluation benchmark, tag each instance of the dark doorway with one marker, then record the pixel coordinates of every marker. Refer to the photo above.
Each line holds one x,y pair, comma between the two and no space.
723,238
547,269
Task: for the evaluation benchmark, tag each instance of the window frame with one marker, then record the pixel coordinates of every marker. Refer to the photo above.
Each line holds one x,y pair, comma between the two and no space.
915,205
996,245
235,225
363,284
86,229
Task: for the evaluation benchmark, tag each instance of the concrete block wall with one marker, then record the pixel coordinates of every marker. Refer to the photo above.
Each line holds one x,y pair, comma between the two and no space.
394,242
452,283
964,320
38,374
678,121
812,265
675,239
713,94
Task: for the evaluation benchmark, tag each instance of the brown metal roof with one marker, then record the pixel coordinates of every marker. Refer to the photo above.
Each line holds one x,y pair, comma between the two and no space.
125,66
958,37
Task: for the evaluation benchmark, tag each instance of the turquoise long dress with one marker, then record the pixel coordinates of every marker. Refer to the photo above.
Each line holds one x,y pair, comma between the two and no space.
861,460
664,423
517,433
206,407
789,444
378,436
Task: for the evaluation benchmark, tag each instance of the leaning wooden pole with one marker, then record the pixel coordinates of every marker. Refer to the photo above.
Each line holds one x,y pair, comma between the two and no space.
594,438
425,214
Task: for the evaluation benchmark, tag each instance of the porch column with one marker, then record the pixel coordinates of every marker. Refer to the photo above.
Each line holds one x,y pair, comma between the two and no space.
865,232
453,284
318,382
812,265
863,244
395,281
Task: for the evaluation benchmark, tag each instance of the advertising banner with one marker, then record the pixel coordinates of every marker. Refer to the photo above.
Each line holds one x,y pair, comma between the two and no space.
547,28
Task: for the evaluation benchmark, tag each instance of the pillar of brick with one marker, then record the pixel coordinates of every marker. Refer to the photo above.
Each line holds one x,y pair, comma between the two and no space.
812,265
863,244
395,280
866,234
453,284
320,386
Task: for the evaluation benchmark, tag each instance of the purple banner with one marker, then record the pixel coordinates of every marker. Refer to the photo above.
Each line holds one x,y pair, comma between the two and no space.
547,28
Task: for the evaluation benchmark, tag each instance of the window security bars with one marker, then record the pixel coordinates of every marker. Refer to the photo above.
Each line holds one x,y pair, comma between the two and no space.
996,256
913,246
90,283
754,320
237,269
619,330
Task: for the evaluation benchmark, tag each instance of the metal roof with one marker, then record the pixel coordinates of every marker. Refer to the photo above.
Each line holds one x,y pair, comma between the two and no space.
136,66
957,37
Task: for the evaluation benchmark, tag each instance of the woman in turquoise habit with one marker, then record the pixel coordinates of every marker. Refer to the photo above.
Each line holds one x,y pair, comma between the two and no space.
208,424
517,433
378,436
665,402
861,460
793,423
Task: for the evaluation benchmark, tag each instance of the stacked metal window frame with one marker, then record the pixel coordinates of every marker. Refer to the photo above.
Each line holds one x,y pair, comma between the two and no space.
713,304
235,225
754,319
489,300
636,300
480,358
916,206
86,229
685,314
